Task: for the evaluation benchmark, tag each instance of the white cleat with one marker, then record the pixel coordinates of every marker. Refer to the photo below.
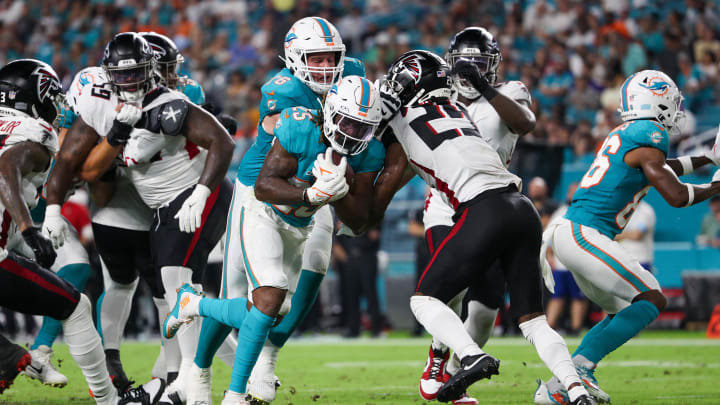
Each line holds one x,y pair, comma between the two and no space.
42,369
173,395
233,398
198,385
550,393
146,394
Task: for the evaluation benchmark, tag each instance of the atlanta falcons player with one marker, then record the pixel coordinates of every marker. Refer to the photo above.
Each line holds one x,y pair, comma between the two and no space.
501,112
176,156
492,220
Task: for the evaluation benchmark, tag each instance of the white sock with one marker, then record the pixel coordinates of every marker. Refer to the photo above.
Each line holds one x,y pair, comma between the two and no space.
170,347
173,277
115,309
453,365
551,348
444,324
85,347
227,349
582,361
480,322
159,369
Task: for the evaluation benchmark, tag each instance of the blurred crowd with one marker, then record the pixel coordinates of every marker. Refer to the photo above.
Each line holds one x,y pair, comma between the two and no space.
573,55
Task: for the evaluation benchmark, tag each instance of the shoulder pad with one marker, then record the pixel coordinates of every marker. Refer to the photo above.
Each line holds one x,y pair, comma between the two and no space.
167,118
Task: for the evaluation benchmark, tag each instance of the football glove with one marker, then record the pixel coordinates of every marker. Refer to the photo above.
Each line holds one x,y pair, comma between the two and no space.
126,117
330,184
714,153
41,246
190,214
390,102
55,226
469,71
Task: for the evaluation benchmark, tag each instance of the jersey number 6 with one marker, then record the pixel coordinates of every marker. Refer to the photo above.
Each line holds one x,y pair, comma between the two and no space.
601,164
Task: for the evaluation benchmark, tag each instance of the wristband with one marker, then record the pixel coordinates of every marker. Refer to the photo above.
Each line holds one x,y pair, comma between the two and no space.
119,133
489,93
686,163
52,210
691,195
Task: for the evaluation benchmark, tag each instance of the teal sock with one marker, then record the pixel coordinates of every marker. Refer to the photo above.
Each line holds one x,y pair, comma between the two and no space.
592,335
212,335
302,301
621,328
228,312
98,308
251,338
77,275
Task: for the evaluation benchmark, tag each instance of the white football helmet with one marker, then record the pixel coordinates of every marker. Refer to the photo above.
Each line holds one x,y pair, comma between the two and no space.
651,94
351,114
314,35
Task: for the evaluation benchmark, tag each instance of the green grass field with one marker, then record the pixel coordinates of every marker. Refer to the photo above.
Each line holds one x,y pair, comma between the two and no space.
653,368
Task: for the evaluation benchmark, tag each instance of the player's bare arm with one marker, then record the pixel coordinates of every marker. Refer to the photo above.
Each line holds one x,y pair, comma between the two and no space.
204,130
272,184
395,174
78,142
354,209
15,163
664,179
268,123
696,161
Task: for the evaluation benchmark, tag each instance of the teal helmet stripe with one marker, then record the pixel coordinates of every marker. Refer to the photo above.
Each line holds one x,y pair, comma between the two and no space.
325,29
623,92
365,97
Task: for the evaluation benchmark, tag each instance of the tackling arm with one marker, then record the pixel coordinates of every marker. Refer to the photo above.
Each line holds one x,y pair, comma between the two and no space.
204,130
272,185
394,176
16,162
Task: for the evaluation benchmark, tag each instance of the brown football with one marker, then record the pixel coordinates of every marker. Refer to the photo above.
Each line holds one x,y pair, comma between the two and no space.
349,172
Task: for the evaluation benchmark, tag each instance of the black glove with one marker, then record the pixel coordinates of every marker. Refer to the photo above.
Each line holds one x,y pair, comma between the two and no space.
390,102
41,246
469,71
228,122
119,133
210,107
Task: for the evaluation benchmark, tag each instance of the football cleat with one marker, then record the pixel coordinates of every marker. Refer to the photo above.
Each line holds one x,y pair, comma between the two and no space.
146,394
591,384
472,368
42,369
177,317
253,400
115,369
433,376
233,398
583,400
199,382
173,395
465,399
13,360
552,393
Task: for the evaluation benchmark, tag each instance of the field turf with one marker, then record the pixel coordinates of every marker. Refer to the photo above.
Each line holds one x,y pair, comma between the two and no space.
654,368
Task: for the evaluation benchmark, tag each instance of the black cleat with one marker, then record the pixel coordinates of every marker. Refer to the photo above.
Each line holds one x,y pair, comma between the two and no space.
13,360
146,394
583,400
472,368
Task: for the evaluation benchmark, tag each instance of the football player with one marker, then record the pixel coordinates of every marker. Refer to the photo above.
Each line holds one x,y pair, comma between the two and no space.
502,117
29,93
297,179
632,159
176,156
492,220
314,60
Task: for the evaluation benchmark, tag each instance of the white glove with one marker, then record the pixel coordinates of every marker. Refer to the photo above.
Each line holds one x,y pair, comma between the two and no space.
716,176
190,215
324,166
714,153
330,184
129,114
55,226
390,101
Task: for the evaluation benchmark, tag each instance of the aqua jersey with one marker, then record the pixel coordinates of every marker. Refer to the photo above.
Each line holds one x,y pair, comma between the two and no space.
192,90
300,135
282,91
611,190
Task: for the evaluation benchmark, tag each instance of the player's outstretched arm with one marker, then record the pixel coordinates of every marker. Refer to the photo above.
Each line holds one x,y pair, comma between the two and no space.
394,176
202,129
354,209
664,179
16,162
687,164
272,185
79,141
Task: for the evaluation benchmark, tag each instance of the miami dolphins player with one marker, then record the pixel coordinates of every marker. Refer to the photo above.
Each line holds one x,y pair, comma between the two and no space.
297,179
314,60
632,159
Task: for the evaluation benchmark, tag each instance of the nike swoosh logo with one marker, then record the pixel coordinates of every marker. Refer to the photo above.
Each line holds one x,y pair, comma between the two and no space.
37,370
473,364
270,93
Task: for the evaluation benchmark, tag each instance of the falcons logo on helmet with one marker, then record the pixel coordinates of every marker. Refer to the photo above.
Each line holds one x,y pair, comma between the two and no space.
46,82
412,64
158,50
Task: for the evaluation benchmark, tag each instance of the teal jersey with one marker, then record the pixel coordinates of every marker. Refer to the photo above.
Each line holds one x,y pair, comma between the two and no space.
300,135
610,190
192,90
282,91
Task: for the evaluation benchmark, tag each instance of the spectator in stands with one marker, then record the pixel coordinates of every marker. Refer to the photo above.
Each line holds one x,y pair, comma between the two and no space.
539,193
639,235
710,227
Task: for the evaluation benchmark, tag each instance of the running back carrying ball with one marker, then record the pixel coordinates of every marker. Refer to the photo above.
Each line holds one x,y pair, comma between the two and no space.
349,173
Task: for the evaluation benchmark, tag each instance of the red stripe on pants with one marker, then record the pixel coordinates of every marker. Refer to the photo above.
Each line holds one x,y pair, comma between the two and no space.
20,271
452,233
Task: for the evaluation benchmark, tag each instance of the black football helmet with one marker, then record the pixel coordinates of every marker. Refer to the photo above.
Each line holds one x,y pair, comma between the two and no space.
129,63
477,45
418,76
31,86
167,57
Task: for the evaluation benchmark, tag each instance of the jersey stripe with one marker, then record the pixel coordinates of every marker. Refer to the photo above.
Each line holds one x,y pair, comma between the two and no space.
606,258
248,267
20,271
455,229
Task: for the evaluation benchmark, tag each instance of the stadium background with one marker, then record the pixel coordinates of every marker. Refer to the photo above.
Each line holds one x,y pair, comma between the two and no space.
572,55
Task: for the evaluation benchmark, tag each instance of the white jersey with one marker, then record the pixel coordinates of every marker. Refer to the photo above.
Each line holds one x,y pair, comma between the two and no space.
125,210
159,166
643,219
446,150
17,127
494,130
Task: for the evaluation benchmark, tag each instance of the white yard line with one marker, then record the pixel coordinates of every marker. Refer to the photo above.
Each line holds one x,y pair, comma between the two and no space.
493,342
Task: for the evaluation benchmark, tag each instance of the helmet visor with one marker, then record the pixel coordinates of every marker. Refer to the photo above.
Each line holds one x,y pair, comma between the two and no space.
352,135
130,79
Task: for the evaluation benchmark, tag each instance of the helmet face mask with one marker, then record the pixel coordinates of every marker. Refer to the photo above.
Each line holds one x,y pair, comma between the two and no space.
351,114
168,58
308,37
129,63
477,45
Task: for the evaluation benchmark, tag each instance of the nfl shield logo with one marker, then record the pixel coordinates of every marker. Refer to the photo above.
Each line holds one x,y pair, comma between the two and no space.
11,95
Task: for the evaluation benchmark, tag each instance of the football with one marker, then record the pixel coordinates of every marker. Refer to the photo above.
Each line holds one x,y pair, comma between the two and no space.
349,172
